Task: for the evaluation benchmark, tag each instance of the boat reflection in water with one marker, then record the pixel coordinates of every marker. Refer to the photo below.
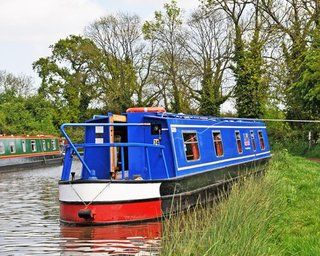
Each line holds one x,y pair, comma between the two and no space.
138,239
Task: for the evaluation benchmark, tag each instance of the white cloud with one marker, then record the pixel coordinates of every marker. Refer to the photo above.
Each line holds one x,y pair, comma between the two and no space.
145,8
44,21
29,27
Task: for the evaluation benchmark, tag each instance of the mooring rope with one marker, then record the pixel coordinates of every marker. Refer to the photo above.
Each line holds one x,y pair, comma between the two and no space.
273,120
84,203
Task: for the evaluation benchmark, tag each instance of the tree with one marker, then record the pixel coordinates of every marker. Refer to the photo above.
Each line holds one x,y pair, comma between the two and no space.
120,38
250,88
167,33
307,88
17,85
292,22
209,49
26,115
68,77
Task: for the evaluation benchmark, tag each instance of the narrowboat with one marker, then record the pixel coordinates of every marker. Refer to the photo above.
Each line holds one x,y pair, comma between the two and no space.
146,164
21,152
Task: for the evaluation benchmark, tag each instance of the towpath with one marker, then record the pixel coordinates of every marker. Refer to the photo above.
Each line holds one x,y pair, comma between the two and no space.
315,159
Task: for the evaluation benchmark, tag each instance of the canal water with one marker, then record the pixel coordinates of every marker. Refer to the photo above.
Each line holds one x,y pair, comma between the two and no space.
29,222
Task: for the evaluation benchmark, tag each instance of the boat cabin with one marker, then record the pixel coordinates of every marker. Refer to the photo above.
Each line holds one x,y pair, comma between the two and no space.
150,144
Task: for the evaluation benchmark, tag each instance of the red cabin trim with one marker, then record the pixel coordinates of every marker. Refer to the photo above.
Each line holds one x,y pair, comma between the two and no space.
31,154
24,137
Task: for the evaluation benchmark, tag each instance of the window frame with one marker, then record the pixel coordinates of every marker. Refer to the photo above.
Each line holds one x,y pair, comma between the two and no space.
23,146
264,144
34,143
253,141
235,134
12,147
43,145
214,145
3,151
53,144
184,145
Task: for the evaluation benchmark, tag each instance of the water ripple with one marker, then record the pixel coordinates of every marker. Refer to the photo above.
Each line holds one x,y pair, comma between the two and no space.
29,222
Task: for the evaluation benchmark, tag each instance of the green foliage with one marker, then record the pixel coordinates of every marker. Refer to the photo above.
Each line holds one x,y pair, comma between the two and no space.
79,74
67,77
21,112
313,152
274,215
307,88
250,89
118,89
32,115
294,59
211,96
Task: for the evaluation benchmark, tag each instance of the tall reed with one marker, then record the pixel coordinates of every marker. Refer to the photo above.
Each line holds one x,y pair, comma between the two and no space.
260,216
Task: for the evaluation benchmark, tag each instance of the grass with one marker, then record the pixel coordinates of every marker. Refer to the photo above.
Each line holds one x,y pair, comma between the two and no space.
314,152
274,215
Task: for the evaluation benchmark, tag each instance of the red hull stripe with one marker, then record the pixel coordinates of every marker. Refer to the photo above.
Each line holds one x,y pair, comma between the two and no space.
58,153
112,213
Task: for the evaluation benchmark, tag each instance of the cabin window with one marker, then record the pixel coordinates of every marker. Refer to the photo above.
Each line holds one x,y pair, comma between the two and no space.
217,141
23,143
191,146
261,140
2,148
246,140
238,141
53,143
43,145
12,147
33,146
253,141
99,134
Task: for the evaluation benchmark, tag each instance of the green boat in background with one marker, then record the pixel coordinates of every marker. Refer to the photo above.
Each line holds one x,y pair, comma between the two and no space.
21,152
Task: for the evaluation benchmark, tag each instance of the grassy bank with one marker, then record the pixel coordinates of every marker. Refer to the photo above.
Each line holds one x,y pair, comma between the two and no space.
275,215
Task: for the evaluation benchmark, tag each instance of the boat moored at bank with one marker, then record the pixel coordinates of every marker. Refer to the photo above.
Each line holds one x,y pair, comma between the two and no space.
20,152
147,163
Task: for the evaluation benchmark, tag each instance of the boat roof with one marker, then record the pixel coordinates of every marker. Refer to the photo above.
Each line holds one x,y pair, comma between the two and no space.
202,119
186,118
4,136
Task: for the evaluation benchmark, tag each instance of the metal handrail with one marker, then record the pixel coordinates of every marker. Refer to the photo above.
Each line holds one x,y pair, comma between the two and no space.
120,144
73,147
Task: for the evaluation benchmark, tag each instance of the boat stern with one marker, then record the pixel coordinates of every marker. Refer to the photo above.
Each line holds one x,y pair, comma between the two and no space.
100,203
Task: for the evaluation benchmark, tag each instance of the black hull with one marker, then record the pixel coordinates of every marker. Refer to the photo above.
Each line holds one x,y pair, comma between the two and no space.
181,194
18,164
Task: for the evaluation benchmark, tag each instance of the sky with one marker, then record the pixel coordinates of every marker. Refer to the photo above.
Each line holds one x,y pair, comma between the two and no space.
29,27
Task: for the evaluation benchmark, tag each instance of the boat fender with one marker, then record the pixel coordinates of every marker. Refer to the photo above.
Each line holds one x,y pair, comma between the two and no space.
85,214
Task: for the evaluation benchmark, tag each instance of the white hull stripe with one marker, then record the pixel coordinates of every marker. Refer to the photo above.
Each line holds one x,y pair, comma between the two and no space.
221,161
108,192
216,126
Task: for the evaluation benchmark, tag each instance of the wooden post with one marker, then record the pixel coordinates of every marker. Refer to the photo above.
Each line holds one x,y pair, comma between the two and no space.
112,149
309,138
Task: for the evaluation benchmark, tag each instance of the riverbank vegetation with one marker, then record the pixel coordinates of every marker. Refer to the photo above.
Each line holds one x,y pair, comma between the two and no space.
273,215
